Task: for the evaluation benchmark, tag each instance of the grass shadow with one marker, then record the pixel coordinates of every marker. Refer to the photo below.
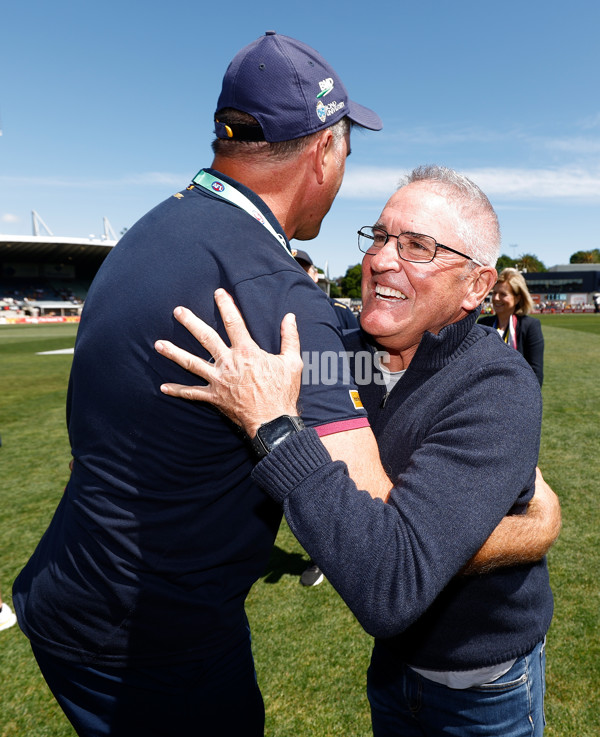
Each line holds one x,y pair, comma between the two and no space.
282,563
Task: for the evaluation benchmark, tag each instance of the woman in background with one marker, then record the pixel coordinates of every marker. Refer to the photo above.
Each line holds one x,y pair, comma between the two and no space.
512,304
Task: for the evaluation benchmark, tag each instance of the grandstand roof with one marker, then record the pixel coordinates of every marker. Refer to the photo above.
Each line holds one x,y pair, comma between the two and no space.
575,267
46,248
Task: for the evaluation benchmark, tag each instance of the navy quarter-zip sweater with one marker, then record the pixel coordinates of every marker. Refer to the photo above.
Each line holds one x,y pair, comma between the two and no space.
459,436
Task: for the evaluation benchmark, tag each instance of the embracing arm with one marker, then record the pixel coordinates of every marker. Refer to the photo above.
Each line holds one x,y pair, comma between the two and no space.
521,538
389,562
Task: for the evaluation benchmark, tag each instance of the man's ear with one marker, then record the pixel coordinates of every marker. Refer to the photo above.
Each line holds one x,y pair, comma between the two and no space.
323,153
483,280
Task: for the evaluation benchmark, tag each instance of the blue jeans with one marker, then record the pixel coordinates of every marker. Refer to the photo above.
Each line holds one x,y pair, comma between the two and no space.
404,703
213,696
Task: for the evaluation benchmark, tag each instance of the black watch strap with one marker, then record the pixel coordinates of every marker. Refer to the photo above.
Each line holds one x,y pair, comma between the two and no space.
270,434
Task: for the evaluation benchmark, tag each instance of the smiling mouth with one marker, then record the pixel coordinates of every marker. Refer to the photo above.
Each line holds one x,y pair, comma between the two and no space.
388,293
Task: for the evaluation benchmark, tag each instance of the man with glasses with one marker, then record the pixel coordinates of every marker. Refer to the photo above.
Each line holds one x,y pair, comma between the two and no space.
457,418
413,247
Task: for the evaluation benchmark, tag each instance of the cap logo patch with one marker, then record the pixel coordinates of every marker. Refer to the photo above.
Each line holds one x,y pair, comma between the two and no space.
326,86
218,186
321,111
324,111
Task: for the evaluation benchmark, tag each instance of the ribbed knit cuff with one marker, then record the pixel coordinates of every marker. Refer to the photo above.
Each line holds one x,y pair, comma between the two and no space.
290,463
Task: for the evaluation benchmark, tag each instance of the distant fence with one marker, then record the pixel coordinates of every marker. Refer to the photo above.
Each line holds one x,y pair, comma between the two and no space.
25,320
571,309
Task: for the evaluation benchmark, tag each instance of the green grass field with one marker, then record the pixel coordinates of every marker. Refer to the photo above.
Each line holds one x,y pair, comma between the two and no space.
311,655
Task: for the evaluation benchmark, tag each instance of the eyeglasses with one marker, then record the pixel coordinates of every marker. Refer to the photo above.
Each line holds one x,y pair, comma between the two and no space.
414,247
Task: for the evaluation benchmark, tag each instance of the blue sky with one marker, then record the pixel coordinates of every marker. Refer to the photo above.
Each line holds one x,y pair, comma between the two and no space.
106,108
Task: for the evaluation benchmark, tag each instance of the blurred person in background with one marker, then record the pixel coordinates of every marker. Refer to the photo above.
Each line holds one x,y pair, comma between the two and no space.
7,616
512,304
345,316
313,575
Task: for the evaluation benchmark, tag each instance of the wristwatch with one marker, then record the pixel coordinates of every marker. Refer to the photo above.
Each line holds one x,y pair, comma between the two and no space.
270,434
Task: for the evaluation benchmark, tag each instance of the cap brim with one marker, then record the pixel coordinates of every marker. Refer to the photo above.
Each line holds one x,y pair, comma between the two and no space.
302,256
363,116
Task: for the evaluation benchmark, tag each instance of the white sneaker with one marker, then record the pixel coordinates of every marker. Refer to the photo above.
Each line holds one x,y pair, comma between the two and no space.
7,617
312,576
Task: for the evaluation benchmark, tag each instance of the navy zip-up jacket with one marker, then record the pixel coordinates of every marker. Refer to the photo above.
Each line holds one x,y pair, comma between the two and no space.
459,435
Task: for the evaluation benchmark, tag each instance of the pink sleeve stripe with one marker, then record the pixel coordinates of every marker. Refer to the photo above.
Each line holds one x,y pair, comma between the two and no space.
341,426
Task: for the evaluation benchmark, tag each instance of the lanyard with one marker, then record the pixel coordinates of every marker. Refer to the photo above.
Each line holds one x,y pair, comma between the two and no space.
510,334
229,193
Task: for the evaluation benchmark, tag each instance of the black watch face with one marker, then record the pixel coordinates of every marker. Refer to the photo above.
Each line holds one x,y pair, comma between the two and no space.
272,433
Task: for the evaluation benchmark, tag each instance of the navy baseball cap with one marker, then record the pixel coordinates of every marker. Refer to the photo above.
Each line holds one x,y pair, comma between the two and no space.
302,257
289,88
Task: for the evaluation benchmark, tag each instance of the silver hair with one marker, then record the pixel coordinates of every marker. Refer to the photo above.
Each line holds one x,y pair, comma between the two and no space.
476,220
278,151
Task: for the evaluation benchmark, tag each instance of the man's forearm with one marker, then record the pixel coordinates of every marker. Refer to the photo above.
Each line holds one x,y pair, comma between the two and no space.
358,450
523,538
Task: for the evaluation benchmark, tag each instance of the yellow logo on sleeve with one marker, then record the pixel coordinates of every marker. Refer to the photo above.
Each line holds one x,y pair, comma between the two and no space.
355,398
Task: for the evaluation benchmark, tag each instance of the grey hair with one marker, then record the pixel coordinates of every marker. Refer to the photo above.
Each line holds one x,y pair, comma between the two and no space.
278,151
476,220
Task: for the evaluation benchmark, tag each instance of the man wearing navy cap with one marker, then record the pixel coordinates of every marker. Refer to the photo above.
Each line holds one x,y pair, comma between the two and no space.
345,317
134,598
